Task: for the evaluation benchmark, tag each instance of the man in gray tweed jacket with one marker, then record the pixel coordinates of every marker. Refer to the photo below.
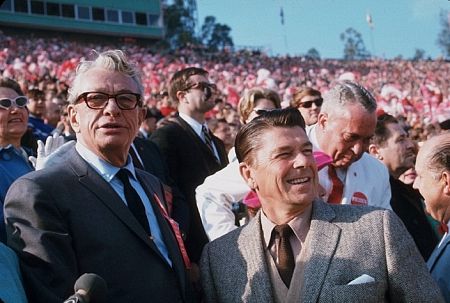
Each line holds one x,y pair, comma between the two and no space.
331,253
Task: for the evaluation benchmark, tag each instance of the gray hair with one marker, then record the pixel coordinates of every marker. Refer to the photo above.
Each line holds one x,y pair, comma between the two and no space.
114,60
348,92
439,157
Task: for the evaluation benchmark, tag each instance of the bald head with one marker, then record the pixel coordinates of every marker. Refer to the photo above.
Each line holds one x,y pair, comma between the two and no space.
433,176
436,152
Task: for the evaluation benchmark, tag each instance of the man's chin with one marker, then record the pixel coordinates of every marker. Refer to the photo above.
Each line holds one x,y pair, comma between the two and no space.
343,163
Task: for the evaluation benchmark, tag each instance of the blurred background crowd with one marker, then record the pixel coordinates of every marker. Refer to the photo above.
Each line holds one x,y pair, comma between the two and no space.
415,91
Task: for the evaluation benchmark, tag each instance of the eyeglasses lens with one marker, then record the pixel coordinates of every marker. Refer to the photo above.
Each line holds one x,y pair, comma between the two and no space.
308,104
20,101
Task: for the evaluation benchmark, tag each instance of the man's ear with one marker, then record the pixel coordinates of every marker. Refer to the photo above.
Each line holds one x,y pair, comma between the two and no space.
180,95
374,151
74,118
446,179
322,120
141,115
246,173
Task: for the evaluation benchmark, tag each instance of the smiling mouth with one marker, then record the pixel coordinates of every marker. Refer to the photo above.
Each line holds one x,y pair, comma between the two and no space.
297,181
15,120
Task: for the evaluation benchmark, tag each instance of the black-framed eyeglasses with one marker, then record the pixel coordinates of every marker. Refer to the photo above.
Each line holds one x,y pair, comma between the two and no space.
97,100
307,104
207,88
7,103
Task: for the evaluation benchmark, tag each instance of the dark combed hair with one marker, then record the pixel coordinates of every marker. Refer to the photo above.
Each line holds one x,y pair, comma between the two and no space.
440,155
36,94
179,81
10,83
247,139
382,133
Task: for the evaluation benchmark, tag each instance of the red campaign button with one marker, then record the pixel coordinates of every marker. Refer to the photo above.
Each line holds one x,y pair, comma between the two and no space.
359,198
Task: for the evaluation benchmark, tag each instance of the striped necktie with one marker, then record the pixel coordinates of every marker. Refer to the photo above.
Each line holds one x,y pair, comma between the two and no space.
208,139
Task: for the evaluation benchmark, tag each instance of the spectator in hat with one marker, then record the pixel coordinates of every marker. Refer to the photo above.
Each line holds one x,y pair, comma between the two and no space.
148,126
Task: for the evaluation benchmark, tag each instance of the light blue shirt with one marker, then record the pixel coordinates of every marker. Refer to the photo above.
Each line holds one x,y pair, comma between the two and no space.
197,127
108,172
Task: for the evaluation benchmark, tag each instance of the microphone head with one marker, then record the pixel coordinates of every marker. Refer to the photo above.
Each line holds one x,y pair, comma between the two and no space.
92,286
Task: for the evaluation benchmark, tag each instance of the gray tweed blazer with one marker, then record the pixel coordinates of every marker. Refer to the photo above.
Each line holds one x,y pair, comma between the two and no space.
345,242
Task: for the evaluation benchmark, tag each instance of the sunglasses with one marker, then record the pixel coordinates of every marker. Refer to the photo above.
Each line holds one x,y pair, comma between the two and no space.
318,102
207,88
20,102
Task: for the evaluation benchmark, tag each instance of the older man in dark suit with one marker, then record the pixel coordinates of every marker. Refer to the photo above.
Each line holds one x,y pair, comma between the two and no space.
97,213
301,249
433,182
192,153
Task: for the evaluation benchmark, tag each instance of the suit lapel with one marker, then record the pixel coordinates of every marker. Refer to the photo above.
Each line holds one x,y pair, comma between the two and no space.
90,179
221,151
166,231
250,244
323,238
437,252
196,138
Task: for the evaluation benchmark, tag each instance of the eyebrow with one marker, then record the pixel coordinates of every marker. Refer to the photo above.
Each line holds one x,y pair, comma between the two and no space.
103,90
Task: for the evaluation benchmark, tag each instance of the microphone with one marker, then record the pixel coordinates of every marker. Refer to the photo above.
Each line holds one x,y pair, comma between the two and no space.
89,288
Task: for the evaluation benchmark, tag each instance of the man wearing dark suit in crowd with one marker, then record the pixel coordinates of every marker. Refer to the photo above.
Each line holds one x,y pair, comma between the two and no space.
191,154
433,182
147,156
96,213
299,248
392,146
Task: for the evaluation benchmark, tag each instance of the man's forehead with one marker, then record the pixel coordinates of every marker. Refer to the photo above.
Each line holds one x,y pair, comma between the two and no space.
197,78
280,137
396,130
100,79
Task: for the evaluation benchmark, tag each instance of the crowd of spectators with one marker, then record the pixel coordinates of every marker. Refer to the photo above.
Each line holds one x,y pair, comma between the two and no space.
226,91
416,90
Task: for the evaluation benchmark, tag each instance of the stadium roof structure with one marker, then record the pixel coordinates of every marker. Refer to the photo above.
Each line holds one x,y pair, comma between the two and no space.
118,18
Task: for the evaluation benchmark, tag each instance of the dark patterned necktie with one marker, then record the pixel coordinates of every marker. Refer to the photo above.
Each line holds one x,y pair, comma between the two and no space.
133,200
208,139
286,261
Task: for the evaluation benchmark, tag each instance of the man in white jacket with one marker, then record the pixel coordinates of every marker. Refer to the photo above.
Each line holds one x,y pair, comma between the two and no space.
345,125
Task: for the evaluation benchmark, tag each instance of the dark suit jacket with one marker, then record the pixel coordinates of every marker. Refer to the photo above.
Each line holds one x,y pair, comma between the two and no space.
345,242
66,220
439,266
407,204
154,163
190,162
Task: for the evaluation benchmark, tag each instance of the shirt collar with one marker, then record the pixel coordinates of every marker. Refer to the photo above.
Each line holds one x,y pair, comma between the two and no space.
196,126
104,168
6,147
299,225
311,130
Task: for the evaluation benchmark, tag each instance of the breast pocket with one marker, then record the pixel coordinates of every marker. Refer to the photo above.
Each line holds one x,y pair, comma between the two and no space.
366,293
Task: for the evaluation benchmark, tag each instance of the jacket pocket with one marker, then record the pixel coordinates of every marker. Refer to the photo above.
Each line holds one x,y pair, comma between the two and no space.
365,293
